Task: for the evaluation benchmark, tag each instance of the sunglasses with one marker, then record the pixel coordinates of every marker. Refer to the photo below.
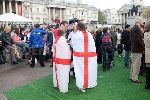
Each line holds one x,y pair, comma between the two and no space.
75,23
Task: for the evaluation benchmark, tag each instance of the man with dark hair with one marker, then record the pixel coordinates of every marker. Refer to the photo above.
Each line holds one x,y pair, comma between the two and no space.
63,23
126,41
98,44
36,43
63,26
73,23
37,26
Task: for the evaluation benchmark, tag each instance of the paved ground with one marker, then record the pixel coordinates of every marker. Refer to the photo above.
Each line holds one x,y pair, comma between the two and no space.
2,97
20,74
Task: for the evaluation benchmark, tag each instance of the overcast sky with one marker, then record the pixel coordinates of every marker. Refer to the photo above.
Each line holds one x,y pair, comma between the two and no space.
108,4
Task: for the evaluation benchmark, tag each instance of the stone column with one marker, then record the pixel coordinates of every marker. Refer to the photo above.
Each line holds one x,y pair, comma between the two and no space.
16,5
122,20
29,12
4,10
64,14
22,8
50,18
54,14
10,7
49,15
60,14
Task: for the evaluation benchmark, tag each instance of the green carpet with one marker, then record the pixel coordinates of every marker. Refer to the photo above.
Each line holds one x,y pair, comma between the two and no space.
112,85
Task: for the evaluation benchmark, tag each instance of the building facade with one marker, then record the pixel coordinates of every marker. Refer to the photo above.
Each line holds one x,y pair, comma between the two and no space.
112,17
11,6
47,11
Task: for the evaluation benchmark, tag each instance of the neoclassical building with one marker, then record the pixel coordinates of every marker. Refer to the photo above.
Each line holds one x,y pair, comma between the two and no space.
46,11
130,11
11,6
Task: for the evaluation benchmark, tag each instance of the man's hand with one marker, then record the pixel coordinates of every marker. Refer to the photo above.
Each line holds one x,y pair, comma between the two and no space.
14,45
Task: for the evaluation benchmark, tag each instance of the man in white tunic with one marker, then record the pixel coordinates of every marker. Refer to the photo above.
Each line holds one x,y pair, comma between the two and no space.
84,58
61,63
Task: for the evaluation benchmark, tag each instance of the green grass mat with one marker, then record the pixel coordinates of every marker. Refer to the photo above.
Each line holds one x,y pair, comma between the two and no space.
112,85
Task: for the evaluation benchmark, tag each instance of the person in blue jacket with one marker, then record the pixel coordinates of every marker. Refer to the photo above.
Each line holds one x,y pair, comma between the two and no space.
36,44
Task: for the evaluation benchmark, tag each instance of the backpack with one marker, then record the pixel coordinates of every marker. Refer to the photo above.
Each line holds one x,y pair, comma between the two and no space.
106,39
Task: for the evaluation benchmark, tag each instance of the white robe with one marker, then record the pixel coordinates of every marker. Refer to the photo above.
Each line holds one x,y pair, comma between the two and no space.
61,64
85,67
70,35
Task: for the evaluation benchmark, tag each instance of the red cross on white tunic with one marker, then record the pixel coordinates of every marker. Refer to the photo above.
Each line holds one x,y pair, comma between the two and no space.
59,60
86,55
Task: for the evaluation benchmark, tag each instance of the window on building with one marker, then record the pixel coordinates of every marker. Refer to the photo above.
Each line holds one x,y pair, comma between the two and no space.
26,8
45,20
37,19
37,10
44,10
82,13
31,9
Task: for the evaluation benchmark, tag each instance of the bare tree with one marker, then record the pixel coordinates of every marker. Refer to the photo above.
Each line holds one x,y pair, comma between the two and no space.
101,17
146,13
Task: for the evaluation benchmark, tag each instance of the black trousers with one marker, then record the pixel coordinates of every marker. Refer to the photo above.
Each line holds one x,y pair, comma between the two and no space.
37,52
143,65
120,49
99,56
2,56
148,76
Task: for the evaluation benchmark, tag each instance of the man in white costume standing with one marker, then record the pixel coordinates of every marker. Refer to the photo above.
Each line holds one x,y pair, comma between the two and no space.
73,23
84,58
61,62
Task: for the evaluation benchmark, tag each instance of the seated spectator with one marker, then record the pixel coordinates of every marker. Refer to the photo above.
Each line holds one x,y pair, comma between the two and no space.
6,41
2,52
17,40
